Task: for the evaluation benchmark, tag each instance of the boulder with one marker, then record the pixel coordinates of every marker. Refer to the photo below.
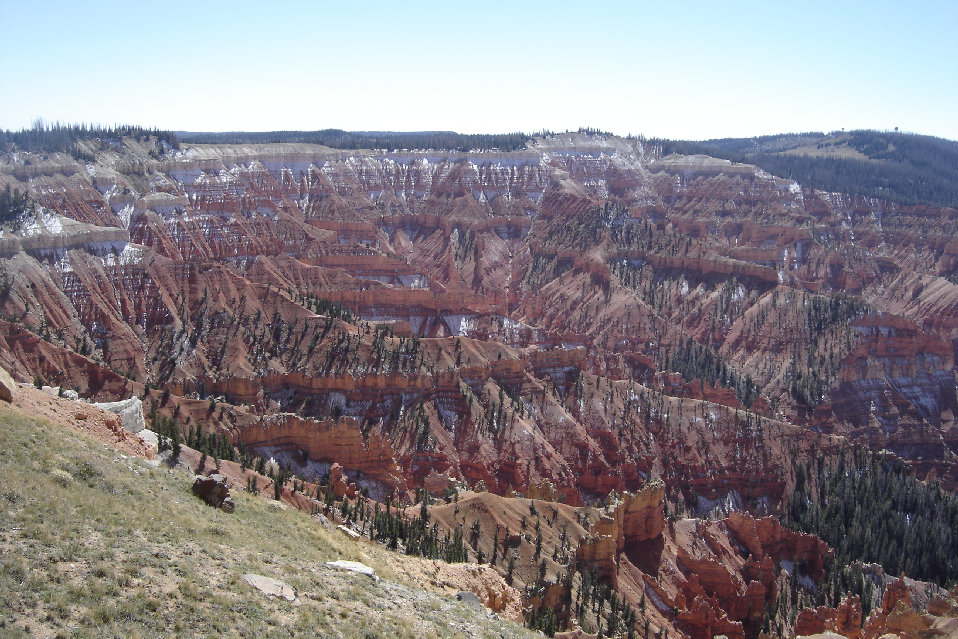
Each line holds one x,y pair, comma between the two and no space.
214,491
7,386
354,566
150,438
271,587
130,412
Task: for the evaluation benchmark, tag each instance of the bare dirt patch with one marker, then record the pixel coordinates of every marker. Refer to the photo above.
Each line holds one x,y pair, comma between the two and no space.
80,417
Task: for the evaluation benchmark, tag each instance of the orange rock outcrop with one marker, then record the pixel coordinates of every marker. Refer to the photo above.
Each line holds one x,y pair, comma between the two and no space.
340,441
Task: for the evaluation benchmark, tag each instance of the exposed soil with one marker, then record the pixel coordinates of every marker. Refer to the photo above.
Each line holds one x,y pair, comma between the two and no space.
82,418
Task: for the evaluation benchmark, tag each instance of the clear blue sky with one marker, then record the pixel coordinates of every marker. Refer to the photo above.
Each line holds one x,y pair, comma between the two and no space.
679,69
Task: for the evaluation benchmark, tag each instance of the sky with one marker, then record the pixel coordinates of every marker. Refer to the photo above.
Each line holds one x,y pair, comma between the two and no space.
685,70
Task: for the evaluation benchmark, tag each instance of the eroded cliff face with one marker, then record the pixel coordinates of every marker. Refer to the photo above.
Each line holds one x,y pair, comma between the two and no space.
574,319
341,440
897,392
547,294
638,518
694,577
898,615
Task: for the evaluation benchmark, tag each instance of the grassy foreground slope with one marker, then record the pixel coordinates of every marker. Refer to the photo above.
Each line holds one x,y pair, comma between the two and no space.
97,544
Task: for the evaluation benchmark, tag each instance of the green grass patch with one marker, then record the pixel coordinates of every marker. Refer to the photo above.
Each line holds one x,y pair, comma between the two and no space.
96,544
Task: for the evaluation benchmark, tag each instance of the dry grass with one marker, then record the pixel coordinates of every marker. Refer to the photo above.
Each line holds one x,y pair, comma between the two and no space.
840,151
96,544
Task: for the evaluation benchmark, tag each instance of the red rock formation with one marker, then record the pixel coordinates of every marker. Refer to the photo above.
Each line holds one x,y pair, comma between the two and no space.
26,356
340,485
533,303
600,549
712,588
846,620
250,209
339,441
897,616
766,536
725,591
439,485
702,620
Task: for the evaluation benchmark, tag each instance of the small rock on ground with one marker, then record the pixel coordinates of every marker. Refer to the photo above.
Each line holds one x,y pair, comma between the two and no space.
354,566
469,598
270,586
349,532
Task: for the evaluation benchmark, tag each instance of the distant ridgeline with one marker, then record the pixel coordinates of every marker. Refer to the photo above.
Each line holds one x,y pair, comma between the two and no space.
52,138
64,138
338,139
899,167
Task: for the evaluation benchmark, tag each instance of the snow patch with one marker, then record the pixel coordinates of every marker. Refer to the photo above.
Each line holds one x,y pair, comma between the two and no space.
126,215
127,255
803,579
720,506
460,325
795,189
513,331
449,417
656,600
310,469
45,222
415,281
